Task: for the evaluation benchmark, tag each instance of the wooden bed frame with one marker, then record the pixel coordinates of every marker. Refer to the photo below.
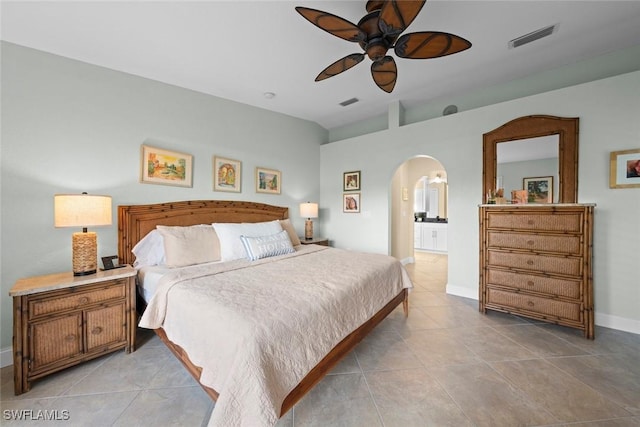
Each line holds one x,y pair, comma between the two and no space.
135,221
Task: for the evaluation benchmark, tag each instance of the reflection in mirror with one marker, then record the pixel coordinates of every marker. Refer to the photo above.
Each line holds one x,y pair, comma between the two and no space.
527,158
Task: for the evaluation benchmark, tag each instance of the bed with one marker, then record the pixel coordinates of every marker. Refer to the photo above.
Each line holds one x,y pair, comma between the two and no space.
187,321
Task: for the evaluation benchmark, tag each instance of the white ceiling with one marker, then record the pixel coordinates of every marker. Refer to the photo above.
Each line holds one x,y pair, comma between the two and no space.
239,50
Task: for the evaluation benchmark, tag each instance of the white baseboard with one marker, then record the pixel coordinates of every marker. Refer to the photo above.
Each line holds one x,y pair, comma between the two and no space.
6,357
410,260
617,322
461,291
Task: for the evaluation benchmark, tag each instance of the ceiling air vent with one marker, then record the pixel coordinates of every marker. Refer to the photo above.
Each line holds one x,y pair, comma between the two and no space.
349,102
536,35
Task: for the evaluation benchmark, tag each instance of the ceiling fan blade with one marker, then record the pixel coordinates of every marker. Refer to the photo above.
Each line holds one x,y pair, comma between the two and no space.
385,73
395,16
429,44
342,64
333,24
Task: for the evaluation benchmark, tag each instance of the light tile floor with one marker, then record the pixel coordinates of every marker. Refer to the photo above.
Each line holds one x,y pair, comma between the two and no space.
444,365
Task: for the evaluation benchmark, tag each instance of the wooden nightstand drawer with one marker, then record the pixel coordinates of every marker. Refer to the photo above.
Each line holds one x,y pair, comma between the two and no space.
69,300
562,244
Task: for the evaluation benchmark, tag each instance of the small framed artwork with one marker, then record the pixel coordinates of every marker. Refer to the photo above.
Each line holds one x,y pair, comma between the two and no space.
160,166
351,202
624,171
351,181
539,189
227,174
268,181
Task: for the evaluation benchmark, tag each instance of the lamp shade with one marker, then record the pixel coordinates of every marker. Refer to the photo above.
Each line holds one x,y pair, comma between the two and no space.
309,210
81,210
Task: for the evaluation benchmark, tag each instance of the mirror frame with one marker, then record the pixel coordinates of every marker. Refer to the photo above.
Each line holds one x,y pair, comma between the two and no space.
530,127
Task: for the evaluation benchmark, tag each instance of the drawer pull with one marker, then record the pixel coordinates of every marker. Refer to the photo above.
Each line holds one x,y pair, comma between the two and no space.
530,262
83,300
530,222
70,338
530,283
529,242
530,303
97,330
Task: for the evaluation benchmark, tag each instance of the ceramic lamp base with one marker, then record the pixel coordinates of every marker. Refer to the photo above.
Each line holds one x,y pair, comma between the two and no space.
85,253
308,229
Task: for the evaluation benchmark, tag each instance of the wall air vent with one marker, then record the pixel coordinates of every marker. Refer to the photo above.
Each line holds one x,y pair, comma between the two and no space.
349,102
536,35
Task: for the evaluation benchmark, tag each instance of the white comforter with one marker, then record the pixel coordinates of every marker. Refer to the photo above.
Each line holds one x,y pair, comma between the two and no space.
257,328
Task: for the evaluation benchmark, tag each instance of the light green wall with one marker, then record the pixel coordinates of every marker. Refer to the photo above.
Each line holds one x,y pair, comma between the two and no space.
608,110
69,127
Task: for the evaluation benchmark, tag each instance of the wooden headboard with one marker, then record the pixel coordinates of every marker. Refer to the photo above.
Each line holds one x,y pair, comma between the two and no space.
136,221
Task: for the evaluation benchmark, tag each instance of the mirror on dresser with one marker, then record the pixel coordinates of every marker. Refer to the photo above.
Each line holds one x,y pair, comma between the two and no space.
560,132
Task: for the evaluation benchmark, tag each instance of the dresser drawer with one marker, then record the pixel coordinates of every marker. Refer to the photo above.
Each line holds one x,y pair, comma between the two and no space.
544,306
570,222
566,244
60,302
538,263
530,282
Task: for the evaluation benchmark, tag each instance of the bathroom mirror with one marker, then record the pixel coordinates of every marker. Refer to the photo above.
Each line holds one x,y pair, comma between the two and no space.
530,127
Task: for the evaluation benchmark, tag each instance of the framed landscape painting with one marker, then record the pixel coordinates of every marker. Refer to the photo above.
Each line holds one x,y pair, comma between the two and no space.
540,189
160,166
268,181
227,174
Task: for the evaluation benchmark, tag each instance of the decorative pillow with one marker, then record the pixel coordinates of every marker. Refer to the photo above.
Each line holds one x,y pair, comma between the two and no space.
286,225
229,234
149,250
190,245
266,246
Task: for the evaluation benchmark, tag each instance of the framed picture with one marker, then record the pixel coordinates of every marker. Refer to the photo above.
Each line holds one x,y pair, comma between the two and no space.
268,181
227,174
624,171
539,189
159,166
351,181
351,202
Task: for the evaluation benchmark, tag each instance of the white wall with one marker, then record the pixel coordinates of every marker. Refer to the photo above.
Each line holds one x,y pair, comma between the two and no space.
69,127
608,110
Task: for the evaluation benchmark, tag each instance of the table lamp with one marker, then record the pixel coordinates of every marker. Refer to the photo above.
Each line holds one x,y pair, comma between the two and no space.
82,210
308,210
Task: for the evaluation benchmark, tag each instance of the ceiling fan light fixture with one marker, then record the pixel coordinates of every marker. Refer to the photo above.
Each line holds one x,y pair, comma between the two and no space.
533,36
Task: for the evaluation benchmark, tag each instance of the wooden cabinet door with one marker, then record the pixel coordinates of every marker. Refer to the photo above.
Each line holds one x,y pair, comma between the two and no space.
55,340
106,325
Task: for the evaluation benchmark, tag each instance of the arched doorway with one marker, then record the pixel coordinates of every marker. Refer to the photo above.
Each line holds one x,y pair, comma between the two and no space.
419,208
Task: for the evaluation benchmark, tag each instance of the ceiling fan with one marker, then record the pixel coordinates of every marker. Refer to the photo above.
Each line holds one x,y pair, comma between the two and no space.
377,32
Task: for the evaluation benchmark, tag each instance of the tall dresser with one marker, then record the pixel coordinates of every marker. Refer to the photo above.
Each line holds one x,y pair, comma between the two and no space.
536,262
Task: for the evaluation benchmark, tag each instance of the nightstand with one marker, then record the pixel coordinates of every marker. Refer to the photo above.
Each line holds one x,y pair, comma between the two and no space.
315,241
61,320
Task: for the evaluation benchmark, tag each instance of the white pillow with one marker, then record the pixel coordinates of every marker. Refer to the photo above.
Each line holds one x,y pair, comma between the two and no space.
189,245
231,247
266,246
149,250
